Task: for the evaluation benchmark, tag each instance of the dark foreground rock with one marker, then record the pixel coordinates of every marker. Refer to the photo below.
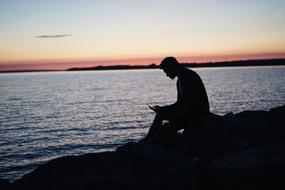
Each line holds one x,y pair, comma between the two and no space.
131,166
238,151
259,168
4,184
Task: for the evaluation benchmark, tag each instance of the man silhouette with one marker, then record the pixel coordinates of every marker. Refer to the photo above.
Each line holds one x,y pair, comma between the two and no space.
186,113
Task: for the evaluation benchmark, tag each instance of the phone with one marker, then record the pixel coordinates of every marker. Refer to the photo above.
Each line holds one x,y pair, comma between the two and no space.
152,108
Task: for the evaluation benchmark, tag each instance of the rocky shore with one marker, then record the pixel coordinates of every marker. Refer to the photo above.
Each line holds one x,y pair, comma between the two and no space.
239,151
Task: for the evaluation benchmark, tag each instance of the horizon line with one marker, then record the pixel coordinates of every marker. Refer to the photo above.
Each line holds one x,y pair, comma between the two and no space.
63,64
151,64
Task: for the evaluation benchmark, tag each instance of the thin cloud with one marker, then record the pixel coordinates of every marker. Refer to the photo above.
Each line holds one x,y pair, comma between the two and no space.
54,36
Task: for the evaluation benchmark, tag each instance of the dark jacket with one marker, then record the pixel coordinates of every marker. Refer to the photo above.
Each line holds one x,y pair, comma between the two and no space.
192,97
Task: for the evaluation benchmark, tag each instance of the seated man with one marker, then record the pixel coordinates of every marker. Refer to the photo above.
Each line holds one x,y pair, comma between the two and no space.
191,105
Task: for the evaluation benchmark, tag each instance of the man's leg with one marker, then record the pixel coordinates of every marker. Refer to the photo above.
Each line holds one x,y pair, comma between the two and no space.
165,136
156,124
189,142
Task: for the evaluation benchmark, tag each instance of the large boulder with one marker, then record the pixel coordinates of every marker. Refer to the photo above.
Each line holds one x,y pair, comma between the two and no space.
258,168
134,165
4,184
214,138
258,128
277,119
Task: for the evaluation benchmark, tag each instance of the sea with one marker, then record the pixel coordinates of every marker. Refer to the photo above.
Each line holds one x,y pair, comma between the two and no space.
45,115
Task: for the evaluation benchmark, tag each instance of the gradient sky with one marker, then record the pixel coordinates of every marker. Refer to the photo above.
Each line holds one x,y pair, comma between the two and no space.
58,34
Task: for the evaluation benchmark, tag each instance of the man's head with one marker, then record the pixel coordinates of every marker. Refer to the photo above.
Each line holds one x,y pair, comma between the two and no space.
170,66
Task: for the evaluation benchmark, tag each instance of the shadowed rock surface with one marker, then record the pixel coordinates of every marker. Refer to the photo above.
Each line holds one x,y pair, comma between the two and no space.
238,151
256,168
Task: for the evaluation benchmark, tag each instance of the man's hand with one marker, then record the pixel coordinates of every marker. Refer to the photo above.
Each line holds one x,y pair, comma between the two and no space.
155,108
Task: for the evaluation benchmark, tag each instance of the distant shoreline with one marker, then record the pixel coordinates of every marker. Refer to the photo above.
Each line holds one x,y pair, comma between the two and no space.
261,62
257,62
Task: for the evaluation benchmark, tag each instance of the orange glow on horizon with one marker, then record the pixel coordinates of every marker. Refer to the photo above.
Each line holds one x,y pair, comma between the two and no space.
64,64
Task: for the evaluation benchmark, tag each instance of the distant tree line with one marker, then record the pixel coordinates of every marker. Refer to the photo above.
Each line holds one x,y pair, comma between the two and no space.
263,62
115,67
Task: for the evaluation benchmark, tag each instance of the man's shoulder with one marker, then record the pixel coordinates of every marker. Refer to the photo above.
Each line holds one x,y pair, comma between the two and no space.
186,72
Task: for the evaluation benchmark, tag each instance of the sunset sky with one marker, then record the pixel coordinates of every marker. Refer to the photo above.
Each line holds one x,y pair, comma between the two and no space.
59,34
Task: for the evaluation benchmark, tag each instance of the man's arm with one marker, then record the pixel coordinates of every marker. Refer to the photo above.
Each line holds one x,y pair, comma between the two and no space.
176,107
172,108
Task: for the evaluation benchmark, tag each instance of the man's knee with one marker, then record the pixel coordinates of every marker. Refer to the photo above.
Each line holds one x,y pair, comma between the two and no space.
166,136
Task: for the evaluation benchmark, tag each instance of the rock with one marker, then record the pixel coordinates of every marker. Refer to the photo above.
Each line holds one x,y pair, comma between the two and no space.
162,158
215,139
278,110
4,184
259,168
132,166
277,119
170,164
257,128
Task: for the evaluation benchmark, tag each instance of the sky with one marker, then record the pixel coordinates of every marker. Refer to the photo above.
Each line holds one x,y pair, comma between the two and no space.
59,34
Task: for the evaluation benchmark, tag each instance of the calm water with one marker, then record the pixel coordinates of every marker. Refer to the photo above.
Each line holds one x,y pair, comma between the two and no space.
51,114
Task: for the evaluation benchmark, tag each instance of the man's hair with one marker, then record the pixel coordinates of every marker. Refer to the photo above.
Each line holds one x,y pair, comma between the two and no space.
169,62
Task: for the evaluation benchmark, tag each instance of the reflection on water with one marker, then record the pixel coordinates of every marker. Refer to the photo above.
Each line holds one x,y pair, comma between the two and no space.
51,114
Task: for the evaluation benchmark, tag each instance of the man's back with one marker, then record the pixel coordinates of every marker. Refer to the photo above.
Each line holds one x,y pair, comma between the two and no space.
192,93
